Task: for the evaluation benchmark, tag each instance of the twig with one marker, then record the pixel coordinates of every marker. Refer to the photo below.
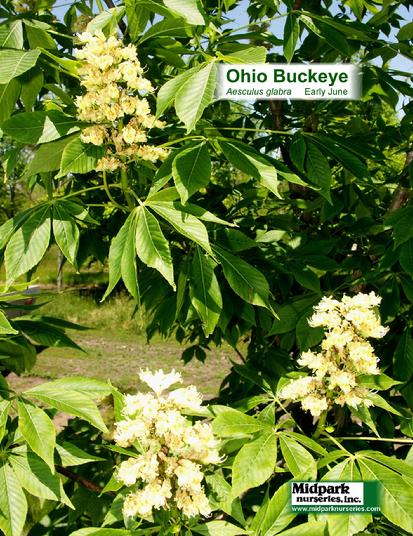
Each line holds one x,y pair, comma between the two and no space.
91,486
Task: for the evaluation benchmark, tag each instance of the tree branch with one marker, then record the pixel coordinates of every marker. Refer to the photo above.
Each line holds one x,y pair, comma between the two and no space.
91,486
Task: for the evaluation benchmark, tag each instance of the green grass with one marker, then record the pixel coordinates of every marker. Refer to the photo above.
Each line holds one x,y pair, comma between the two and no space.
115,348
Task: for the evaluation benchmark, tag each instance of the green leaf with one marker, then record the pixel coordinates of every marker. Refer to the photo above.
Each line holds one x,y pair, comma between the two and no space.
195,95
167,93
346,158
278,514
291,35
345,524
70,454
190,10
66,232
13,504
311,528
72,402
9,93
38,430
406,256
39,127
5,326
122,258
232,422
246,55
36,478
79,157
297,150
171,27
137,16
184,223
5,406
405,32
252,163
307,279
403,357
221,499
47,157
31,84
191,170
16,62
401,221
298,460
219,528
377,381
397,493
93,389
106,20
96,531
205,292
318,170
39,38
244,279
151,245
254,463
28,244
11,35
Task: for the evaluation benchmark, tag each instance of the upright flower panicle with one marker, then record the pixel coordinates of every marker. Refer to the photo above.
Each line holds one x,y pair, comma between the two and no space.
113,78
167,471
345,355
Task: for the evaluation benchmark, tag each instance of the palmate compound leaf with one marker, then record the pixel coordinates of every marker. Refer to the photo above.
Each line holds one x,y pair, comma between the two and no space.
28,244
244,279
38,430
191,170
196,94
13,503
205,292
122,258
151,245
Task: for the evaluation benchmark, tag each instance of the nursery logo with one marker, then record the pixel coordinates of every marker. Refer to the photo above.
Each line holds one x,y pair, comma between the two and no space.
339,497
323,81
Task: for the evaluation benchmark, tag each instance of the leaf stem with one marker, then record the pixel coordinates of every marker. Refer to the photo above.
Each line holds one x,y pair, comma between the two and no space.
320,425
125,188
107,190
367,438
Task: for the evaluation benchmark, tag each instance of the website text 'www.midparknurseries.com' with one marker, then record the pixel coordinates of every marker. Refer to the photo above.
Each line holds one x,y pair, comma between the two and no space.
334,508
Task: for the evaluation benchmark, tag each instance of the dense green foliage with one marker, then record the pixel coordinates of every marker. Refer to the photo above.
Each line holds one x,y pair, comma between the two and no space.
257,212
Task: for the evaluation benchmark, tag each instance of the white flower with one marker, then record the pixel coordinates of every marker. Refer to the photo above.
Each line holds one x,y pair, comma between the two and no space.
186,398
159,381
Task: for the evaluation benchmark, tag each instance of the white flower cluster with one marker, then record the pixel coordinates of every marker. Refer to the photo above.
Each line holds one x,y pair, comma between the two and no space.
113,78
167,470
345,354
